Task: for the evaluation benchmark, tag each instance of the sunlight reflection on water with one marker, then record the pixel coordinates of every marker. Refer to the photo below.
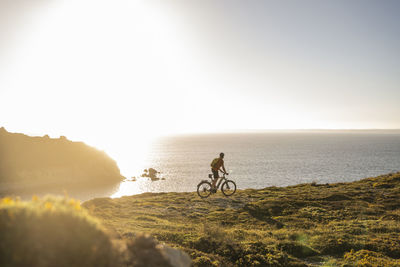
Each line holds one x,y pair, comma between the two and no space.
143,185
127,188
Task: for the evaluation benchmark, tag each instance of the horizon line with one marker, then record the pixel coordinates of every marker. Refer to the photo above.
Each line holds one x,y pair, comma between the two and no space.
233,131
286,130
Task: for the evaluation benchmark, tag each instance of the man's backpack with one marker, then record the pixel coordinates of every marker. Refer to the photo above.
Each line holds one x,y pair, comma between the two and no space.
214,162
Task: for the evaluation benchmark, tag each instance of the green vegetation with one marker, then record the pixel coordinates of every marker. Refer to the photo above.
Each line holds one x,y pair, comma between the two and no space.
343,224
58,232
51,232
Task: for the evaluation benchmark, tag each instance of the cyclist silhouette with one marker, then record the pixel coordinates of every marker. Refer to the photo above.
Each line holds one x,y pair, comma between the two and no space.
216,166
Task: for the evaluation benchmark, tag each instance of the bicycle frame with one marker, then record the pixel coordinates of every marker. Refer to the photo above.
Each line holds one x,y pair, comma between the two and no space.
221,179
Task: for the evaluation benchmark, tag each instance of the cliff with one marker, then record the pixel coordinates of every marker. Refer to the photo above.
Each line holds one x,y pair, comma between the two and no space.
40,163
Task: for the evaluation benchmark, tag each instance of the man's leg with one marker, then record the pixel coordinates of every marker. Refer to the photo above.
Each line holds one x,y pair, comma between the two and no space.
214,181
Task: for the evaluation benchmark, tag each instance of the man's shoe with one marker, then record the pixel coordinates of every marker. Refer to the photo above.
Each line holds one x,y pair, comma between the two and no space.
213,190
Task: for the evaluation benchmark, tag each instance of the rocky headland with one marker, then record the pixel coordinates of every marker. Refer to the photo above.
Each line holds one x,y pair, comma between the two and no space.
30,165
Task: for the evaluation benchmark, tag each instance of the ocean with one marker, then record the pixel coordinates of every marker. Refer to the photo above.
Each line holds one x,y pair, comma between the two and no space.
262,159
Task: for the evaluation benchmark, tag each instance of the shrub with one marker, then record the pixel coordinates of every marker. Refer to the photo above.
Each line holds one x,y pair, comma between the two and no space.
51,232
216,240
296,249
369,258
203,261
332,244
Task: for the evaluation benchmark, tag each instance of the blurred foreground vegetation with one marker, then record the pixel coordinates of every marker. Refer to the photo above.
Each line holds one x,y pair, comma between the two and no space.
342,224
59,232
51,232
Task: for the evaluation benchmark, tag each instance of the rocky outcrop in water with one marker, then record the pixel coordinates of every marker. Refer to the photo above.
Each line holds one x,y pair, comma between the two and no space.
152,174
40,163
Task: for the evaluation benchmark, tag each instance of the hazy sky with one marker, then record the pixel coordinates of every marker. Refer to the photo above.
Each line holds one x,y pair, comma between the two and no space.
105,70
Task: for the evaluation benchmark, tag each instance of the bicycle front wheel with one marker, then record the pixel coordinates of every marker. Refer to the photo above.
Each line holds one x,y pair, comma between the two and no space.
204,189
228,188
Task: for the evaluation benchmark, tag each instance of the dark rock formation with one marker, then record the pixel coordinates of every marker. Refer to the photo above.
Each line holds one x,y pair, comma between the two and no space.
33,164
152,174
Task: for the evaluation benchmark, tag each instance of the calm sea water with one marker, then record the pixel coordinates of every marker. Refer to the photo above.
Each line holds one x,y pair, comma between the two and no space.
258,160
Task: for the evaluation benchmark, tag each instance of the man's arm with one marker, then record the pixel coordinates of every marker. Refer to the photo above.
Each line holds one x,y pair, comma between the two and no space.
223,168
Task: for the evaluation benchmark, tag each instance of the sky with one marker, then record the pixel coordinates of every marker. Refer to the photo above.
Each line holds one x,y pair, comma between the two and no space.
117,74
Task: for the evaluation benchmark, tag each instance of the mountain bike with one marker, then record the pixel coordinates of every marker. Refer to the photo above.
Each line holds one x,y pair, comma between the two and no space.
204,188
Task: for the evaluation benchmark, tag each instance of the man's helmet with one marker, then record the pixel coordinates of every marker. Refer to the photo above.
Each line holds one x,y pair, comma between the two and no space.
221,155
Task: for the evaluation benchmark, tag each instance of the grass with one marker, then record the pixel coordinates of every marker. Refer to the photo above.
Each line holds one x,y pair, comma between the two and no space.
343,224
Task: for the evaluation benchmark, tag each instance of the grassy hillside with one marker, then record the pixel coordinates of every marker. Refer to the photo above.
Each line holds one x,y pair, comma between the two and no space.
43,163
343,224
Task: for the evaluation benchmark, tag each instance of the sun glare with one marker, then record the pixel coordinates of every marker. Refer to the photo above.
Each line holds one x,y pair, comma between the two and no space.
113,72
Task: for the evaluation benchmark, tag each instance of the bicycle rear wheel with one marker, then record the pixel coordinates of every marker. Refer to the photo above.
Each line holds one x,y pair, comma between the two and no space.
228,188
204,189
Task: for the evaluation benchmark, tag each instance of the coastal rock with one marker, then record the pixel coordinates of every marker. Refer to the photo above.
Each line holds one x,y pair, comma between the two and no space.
30,164
144,250
152,174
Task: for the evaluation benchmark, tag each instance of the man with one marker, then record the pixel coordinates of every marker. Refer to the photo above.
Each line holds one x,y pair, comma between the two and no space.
216,165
